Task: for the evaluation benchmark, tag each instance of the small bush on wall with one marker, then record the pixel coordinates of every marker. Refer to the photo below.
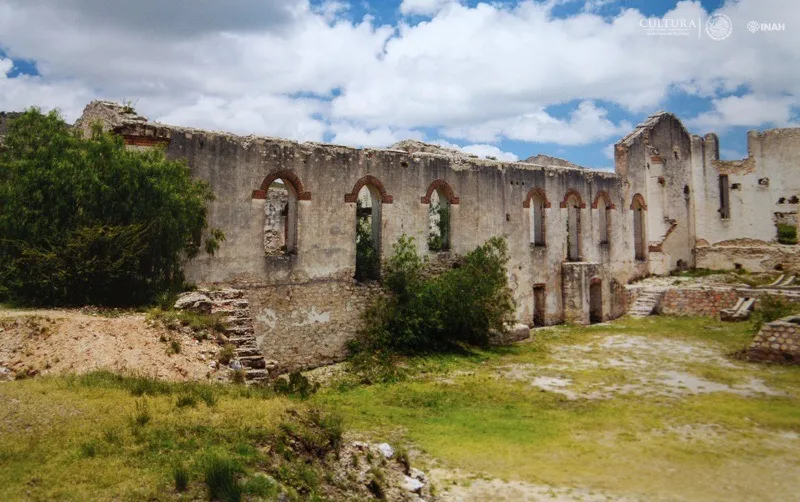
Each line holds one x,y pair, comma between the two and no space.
787,234
87,221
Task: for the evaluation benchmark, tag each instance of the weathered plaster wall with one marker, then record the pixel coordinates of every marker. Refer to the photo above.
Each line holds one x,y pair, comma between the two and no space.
487,198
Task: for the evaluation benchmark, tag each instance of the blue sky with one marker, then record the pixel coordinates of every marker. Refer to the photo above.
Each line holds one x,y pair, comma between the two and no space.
511,79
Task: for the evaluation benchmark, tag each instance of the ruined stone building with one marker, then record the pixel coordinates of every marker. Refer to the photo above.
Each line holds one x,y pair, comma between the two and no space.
290,212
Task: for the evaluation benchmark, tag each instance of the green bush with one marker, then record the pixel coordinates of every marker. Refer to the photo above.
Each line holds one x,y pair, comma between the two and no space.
772,308
87,221
423,314
295,385
787,234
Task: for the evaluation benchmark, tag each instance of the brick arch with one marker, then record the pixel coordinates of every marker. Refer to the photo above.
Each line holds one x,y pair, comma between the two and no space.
536,192
442,185
602,194
569,194
369,180
638,199
287,176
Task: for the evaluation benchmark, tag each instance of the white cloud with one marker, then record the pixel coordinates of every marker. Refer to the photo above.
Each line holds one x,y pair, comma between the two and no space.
474,74
586,124
379,137
485,151
608,151
749,110
424,7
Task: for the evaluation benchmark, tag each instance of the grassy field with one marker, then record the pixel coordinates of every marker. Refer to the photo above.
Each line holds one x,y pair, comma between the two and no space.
103,437
647,408
644,409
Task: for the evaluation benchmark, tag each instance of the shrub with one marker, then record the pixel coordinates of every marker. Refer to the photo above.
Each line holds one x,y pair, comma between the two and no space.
239,376
787,234
220,477
423,314
87,221
295,385
772,308
141,414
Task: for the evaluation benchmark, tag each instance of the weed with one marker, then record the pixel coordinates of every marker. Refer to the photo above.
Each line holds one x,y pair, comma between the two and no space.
221,479
772,308
401,454
181,477
262,486
207,394
175,346
377,483
227,354
239,376
89,449
112,436
186,400
295,385
141,413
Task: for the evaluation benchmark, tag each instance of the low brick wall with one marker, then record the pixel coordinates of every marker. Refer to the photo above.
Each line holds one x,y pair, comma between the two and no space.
777,341
698,301
709,301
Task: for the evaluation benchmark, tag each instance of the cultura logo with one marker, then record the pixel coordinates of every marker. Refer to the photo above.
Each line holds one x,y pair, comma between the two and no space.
719,27
752,26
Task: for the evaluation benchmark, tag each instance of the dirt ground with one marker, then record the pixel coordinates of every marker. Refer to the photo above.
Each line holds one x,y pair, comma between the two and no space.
45,342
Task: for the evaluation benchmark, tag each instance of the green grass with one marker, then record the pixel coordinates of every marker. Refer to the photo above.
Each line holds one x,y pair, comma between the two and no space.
105,437
456,409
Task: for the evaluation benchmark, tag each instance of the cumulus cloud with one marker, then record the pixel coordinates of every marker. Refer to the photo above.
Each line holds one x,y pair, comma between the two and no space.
586,124
475,74
487,151
423,7
748,110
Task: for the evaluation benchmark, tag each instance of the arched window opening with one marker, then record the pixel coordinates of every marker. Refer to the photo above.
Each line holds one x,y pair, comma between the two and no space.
639,237
537,221
604,221
368,233
280,227
573,206
438,222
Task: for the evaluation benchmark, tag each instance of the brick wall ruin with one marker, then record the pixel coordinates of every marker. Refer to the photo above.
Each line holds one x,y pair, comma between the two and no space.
778,341
576,237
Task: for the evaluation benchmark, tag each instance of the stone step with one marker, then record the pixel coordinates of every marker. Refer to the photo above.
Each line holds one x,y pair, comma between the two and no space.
247,351
256,375
239,330
223,294
237,320
254,362
241,341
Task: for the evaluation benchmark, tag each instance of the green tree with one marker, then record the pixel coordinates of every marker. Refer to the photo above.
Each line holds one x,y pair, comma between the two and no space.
85,220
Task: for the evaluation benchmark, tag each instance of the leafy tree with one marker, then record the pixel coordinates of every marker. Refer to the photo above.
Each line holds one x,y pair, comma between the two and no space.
85,220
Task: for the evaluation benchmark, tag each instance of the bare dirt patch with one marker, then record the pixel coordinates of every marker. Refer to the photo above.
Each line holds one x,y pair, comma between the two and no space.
45,342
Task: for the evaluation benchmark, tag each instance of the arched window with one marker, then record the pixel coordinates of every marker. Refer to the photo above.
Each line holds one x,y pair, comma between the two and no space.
369,195
638,207
573,203
536,203
602,203
440,199
280,228
281,192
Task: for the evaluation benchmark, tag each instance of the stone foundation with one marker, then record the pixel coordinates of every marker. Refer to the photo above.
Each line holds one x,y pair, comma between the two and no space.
777,341
763,257
709,302
307,325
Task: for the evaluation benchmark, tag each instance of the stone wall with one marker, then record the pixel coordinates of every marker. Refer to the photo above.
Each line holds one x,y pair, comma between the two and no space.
752,256
708,301
307,324
777,341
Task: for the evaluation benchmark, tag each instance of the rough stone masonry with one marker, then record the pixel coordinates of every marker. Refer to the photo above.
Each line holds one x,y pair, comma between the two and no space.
576,236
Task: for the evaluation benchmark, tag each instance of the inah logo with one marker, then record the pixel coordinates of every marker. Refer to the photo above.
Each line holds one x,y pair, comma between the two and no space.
755,26
719,27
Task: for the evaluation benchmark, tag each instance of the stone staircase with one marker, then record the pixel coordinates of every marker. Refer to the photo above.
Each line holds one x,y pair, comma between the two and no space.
234,309
646,303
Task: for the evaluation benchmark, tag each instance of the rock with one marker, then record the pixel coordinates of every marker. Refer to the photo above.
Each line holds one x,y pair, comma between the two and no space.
412,485
194,301
418,475
236,365
213,365
386,450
